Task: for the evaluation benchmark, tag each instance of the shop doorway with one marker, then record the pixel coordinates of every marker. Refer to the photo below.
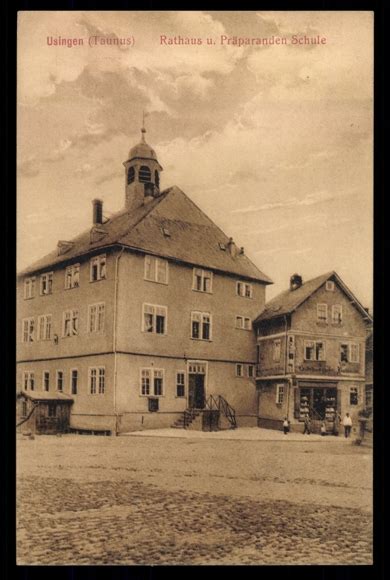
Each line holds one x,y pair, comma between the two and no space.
318,403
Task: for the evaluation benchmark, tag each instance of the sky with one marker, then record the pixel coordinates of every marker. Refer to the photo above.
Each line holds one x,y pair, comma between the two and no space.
273,142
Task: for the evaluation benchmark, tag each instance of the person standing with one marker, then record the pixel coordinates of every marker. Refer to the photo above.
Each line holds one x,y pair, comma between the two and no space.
347,423
286,426
306,428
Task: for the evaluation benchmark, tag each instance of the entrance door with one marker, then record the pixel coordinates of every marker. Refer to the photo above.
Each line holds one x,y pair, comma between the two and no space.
196,391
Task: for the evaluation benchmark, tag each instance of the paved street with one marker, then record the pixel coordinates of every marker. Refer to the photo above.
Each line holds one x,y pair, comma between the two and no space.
193,500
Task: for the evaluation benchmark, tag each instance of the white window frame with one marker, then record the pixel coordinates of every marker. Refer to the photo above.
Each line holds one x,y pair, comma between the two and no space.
28,379
239,370
29,288
72,315
244,289
325,308
329,286
44,327
73,279
151,372
340,319
71,371
28,334
45,372
350,346
101,272
154,313
95,308
308,343
243,322
99,385
201,320
280,393
179,384
46,284
153,267
251,374
203,275
276,350
58,371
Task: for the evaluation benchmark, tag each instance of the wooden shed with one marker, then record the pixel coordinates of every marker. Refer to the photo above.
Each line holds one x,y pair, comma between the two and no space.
43,412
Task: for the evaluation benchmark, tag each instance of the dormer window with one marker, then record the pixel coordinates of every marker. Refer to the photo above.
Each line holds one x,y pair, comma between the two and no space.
130,175
145,175
98,268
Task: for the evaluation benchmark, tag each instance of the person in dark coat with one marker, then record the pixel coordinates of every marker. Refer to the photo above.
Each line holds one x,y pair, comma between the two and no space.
307,424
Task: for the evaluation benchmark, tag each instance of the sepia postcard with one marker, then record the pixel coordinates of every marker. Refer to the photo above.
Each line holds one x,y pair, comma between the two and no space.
195,288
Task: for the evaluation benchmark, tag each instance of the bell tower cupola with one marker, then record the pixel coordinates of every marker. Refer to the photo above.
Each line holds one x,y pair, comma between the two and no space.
142,173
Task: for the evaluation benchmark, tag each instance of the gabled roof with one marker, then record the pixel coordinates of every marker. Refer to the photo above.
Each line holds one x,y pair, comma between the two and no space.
46,396
288,301
190,236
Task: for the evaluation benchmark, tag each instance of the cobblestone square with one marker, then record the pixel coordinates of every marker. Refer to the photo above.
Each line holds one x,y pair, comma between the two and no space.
194,500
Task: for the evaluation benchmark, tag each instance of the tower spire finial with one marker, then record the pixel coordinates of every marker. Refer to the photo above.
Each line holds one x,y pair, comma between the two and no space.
143,130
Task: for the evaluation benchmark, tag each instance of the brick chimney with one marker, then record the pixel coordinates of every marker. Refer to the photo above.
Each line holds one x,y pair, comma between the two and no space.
295,282
97,211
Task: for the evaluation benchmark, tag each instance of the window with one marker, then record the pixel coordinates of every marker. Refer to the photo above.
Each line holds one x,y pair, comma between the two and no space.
244,289
239,370
156,269
46,283
60,381
314,350
337,314
202,280
349,352
72,276
24,409
29,381
97,380
277,350
354,352
130,175
243,322
46,381
28,330
98,268
144,174
354,396
71,323
201,325
329,286
152,382
96,317
322,312
155,318
180,384
251,371
369,397
44,327
52,410
29,288
74,378
157,178
279,394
